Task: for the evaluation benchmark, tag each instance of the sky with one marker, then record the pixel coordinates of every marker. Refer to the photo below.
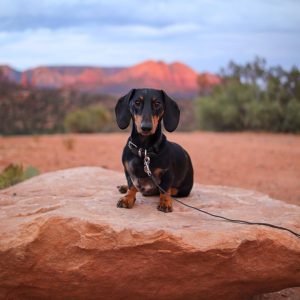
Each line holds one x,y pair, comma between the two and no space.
204,34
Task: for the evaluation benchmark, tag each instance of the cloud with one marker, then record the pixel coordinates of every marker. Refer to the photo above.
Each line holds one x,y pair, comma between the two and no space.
202,33
72,47
19,15
205,51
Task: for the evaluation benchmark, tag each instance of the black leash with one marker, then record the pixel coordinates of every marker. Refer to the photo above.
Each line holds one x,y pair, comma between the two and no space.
149,173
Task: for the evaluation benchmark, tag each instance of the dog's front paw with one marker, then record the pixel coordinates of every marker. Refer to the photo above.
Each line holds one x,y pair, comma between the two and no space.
126,202
165,203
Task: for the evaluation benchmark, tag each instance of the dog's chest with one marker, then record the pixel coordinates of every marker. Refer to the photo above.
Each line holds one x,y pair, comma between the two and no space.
139,178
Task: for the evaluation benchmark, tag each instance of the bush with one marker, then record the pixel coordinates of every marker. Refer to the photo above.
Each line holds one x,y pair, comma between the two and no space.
209,114
253,98
88,120
264,115
225,109
14,174
29,110
291,122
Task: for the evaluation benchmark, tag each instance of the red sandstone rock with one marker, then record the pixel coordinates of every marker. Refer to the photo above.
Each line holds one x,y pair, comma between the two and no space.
62,237
176,78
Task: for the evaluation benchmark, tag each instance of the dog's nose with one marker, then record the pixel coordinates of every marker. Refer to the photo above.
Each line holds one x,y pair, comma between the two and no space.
146,126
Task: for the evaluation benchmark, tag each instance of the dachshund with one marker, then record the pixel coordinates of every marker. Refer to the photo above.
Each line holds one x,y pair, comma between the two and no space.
170,164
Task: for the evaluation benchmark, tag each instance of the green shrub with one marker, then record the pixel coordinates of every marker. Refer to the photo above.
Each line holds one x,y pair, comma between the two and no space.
14,174
291,122
88,120
30,110
209,114
253,97
225,109
264,115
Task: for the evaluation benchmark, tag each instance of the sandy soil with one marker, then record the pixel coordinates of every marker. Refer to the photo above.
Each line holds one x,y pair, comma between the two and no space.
269,163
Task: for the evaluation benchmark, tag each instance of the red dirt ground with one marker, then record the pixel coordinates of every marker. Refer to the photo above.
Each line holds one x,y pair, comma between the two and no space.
269,163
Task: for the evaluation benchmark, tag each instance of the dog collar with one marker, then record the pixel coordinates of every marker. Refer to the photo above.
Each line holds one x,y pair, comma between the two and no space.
141,152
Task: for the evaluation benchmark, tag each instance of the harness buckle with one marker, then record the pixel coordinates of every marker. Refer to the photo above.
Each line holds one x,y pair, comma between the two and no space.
146,164
140,151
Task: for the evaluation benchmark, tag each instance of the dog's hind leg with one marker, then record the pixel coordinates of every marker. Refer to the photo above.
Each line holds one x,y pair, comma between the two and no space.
165,200
122,188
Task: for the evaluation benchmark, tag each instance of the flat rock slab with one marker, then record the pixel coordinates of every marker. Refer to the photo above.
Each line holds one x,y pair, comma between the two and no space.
62,236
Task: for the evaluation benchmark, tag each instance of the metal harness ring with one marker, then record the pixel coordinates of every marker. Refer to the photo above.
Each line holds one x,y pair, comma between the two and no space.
146,164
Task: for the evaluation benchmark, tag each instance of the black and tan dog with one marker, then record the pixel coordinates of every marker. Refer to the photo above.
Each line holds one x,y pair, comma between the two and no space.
170,163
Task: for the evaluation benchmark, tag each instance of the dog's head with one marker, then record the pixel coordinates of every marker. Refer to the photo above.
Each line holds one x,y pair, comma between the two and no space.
147,107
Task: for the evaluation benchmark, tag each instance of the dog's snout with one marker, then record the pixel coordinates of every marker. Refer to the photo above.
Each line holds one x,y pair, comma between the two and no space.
146,126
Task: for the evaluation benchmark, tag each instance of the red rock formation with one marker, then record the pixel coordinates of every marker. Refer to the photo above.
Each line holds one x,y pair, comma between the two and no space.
176,78
59,77
10,74
62,237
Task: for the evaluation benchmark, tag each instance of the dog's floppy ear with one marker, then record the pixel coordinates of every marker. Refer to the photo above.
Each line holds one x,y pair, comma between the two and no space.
171,114
122,111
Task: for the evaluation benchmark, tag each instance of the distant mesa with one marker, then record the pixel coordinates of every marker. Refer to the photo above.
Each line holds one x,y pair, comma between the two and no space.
176,78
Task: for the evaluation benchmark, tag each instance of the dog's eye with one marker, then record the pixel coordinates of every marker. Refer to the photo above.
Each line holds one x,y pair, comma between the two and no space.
156,104
137,102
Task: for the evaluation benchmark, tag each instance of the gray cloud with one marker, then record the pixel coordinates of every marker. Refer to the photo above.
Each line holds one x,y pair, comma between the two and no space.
202,33
19,15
